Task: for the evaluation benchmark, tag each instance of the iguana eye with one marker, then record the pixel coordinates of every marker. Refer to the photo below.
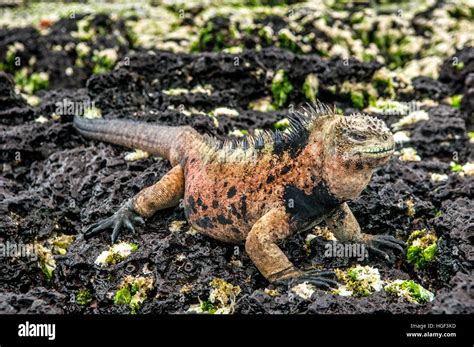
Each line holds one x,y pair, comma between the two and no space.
358,136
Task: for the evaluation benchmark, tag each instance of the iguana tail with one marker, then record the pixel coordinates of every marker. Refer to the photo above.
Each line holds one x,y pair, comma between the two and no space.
160,140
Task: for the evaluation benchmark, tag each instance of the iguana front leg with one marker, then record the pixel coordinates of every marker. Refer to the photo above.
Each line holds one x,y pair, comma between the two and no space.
165,193
342,223
261,246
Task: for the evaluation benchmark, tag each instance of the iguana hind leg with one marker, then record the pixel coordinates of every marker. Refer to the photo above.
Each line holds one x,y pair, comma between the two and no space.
165,193
269,258
343,224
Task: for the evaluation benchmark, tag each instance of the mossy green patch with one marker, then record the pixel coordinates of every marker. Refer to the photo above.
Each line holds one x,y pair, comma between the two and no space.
116,253
455,167
133,291
357,99
359,281
209,39
282,124
104,61
61,242
421,248
311,87
46,261
281,88
221,300
459,66
287,40
8,63
383,83
84,297
361,94
31,83
409,290
456,101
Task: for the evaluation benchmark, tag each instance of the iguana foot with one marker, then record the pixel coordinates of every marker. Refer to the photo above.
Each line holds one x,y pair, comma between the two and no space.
321,279
124,217
376,242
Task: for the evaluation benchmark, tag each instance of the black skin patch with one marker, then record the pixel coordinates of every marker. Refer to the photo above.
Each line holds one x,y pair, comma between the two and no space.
215,203
235,230
234,211
232,191
204,222
359,166
192,205
285,170
186,212
223,220
270,179
305,208
243,206
293,145
201,204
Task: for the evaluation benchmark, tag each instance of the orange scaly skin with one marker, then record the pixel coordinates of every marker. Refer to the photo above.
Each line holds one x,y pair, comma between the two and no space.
259,190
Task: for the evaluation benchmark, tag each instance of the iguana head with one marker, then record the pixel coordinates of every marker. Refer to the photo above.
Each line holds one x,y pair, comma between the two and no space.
362,140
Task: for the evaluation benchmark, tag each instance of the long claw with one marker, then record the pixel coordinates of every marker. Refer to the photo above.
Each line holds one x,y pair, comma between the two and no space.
321,273
129,226
380,253
139,220
389,238
390,244
124,217
319,284
315,280
376,242
116,231
97,228
318,278
395,240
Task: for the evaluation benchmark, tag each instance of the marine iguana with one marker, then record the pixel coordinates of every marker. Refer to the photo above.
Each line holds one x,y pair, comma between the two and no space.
260,189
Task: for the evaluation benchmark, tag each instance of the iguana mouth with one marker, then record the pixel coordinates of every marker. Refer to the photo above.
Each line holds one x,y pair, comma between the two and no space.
376,151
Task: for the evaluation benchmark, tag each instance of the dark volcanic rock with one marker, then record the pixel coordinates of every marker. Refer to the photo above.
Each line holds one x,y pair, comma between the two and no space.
458,298
54,181
426,87
13,108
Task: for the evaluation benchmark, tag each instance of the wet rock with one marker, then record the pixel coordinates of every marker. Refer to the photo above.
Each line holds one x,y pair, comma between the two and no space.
13,108
467,103
426,87
37,301
443,135
458,298
455,69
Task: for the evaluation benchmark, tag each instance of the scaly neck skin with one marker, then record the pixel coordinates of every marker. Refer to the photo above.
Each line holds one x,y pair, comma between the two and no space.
343,176
345,181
